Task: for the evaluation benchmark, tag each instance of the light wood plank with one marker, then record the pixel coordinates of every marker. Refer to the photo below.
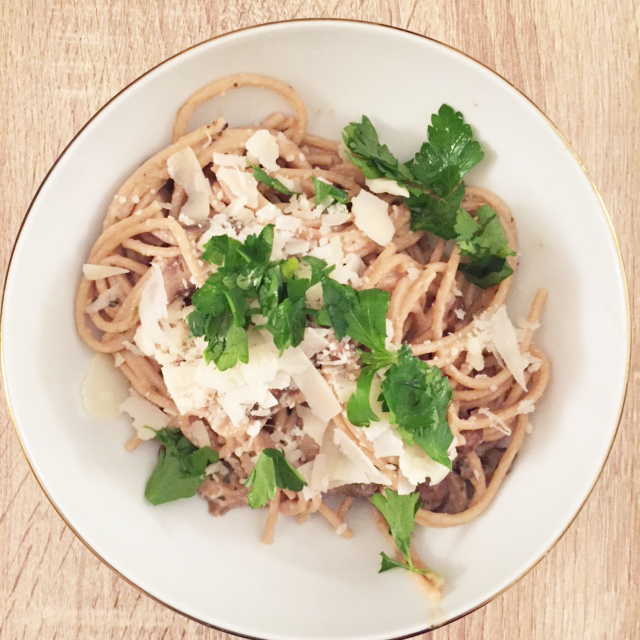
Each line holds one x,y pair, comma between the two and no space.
60,61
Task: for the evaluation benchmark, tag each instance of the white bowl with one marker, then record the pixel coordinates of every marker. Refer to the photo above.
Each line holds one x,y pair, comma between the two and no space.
310,583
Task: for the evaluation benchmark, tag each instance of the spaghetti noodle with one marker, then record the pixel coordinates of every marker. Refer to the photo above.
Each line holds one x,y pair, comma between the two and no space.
433,308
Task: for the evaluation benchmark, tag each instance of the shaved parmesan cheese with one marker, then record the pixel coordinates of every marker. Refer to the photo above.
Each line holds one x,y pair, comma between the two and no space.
104,388
383,185
354,466
293,184
184,168
301,207
198,434
525,406
348,268
496,421
296,247
99,271
336,214
386,443
417,466
235,207
241,184
371,216
268,213
245,385
503,336
112,294
229,160
313,426
237,402
314,341
306,471
404,486
314,296
262,147
144,414
389,344
339,462
152,309
497,334
313,386
181,384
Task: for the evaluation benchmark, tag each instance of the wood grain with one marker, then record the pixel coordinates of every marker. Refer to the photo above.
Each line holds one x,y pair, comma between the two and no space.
579,61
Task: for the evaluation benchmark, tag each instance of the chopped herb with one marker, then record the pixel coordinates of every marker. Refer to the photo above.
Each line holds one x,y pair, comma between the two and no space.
224,305
399,513
325,190
180,468
274,183
418,395
482,241
373,158
437,215
359,314
287,322
434,180
359,411
448,155
270,471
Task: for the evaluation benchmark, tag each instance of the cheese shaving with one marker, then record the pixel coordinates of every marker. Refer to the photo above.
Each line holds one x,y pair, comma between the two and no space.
100,271
184,168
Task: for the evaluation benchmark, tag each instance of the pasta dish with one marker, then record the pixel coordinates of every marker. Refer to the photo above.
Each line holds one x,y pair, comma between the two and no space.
300,318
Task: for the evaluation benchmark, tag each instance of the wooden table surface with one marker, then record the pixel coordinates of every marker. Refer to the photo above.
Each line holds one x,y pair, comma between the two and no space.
579,61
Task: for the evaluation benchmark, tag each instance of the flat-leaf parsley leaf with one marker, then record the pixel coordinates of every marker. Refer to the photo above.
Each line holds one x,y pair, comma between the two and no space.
270,471
418,395
180,468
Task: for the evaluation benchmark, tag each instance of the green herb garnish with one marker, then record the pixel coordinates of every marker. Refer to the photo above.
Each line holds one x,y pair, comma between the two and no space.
262,176
361,315
180,468
325,190
359,411
449,153
434,180
418,395
270,471
374,159
225,304
400,514
482,239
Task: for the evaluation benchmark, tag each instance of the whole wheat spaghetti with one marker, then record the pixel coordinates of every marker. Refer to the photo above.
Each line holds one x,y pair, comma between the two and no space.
150,254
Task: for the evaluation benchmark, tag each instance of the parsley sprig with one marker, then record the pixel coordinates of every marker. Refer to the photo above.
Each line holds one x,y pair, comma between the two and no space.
246,283
262,176
400,514
270,471
180,468
434,180
325,190
416,393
